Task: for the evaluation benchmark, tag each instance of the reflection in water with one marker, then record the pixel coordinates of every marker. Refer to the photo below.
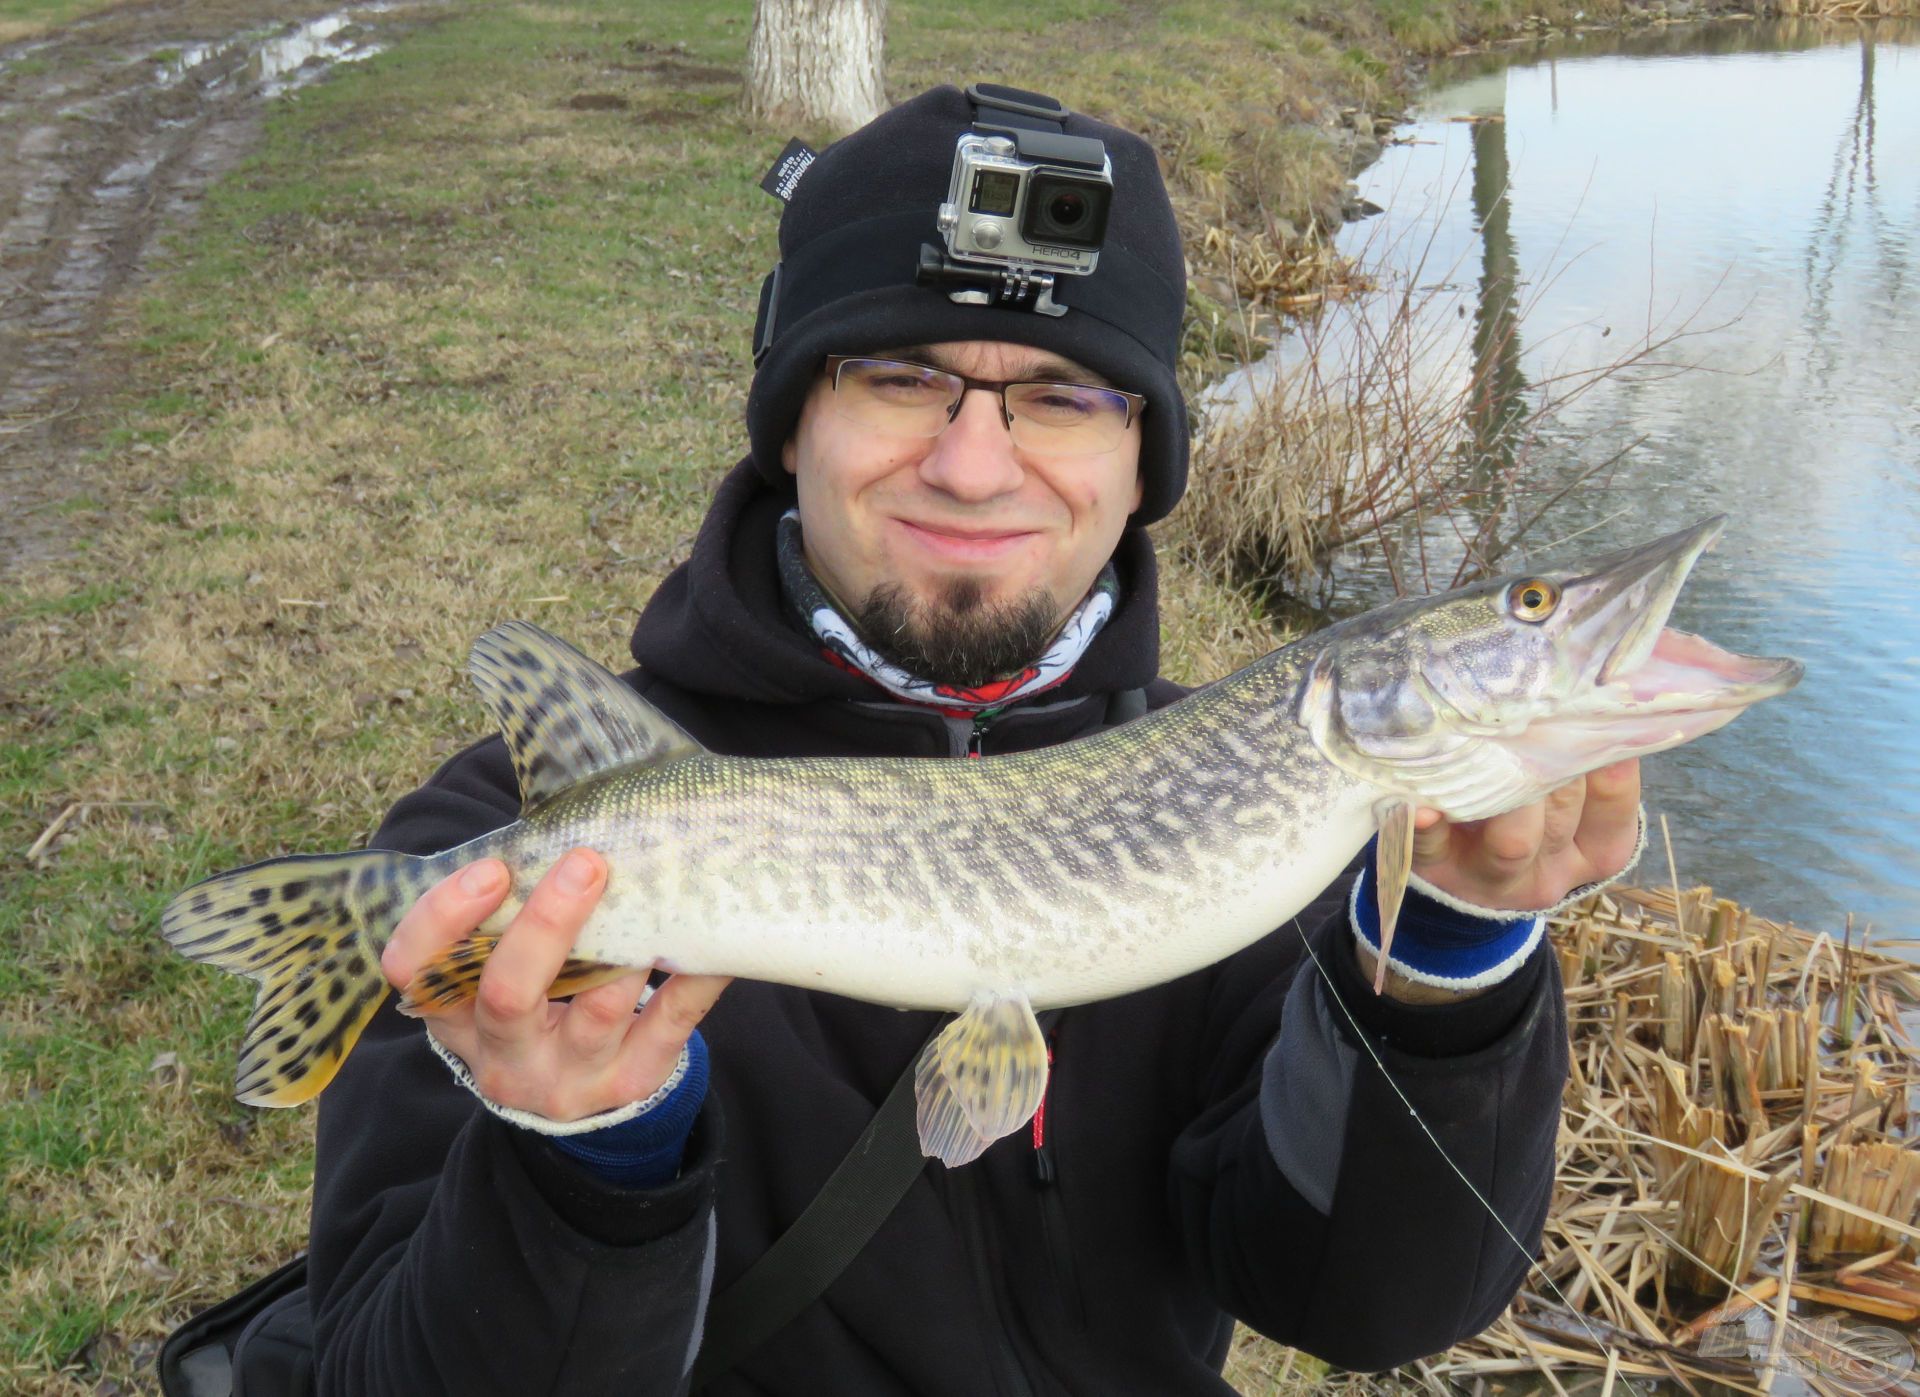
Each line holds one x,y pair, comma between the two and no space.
277,62
1497,405
1738,182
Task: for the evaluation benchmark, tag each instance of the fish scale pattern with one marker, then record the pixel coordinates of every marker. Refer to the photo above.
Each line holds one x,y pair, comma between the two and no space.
1033,866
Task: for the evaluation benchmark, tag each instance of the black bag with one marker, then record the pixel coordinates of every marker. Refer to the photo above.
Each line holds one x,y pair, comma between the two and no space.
258,1343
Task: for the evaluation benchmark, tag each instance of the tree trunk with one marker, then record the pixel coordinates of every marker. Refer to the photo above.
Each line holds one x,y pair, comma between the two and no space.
815,63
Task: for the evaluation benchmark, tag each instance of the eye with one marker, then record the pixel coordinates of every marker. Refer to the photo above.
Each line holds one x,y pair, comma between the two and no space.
1062,407
1063,404
1532,600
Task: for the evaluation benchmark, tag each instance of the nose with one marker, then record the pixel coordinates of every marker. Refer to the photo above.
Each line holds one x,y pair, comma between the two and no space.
974,458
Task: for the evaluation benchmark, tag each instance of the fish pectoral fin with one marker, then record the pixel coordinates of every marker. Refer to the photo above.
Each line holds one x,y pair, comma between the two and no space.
452,978
981,1078
1392,863
566,718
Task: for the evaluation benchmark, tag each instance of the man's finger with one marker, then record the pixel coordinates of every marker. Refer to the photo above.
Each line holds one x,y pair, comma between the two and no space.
1432,836
1510,843
445,913
1610,820
678,1006
1564,804
597,1021
511,1001
666,1022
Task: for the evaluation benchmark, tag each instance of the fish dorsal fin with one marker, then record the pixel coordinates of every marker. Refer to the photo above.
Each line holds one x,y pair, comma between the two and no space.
566,718
982,1077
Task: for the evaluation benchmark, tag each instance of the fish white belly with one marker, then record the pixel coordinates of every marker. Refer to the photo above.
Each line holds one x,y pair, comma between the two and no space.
953,936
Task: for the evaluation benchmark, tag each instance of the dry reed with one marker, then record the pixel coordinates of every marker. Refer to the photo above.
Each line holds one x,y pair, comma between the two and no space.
1385,410
1831,10
1735,1131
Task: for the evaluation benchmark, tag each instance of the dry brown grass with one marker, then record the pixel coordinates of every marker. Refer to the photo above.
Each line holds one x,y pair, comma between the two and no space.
450,352
1383,414
1848,10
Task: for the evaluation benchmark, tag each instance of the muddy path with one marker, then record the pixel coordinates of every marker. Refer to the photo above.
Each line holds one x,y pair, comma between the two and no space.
111,131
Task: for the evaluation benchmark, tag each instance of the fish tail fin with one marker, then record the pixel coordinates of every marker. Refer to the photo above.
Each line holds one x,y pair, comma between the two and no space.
310,930
452,978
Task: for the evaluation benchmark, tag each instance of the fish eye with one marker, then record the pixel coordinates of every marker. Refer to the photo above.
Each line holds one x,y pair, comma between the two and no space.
1532,600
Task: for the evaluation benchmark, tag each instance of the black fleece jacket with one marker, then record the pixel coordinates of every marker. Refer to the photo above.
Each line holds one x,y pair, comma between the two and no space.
1218,1146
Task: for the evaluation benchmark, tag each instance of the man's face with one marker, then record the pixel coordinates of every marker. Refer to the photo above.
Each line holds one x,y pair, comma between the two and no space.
963,529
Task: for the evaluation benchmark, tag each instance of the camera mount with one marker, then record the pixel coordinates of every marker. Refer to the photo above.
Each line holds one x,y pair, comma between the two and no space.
1026,204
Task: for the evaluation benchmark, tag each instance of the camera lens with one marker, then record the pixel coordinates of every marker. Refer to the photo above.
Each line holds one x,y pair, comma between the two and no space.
1067,209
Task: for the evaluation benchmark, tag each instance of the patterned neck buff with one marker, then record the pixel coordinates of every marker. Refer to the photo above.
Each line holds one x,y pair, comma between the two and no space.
843,646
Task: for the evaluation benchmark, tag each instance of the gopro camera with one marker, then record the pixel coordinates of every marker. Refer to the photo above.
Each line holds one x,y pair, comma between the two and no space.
1026,203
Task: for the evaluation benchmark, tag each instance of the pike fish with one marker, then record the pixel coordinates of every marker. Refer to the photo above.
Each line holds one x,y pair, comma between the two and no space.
995,886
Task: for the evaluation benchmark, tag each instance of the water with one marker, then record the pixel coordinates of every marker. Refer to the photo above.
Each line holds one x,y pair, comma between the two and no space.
1755,186
280,61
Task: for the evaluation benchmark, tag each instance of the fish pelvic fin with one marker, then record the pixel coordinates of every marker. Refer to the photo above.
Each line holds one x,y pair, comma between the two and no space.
1392,863
982,1077
566,718
452,978
309,929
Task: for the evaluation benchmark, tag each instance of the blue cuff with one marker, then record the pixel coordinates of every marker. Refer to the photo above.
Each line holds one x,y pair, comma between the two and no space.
645,1152
1438,945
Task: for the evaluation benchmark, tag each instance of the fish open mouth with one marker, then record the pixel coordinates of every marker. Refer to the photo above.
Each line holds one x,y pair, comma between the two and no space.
1646,686
1686,671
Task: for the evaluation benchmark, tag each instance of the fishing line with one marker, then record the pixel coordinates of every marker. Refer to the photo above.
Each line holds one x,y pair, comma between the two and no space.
1793,1323
1533,1266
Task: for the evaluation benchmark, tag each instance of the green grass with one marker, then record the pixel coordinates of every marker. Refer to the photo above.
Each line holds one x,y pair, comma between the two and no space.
443,346
87,598
48,12
23,19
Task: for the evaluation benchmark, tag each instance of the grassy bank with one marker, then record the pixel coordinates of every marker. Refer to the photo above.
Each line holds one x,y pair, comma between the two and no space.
466,341
26,19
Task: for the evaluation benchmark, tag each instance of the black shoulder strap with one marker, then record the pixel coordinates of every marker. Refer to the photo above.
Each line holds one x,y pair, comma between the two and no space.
857,1197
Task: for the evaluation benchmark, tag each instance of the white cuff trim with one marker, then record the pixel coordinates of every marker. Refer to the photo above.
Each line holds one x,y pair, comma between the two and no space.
542,1125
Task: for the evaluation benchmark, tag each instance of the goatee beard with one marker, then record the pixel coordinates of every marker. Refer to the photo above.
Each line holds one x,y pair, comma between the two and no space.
957,637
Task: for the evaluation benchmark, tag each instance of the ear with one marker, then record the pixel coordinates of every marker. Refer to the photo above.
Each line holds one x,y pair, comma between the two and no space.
1139,488
790,448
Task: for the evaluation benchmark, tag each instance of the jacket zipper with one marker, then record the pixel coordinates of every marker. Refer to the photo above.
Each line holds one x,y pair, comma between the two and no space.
1053,1209
977,735
1010,1374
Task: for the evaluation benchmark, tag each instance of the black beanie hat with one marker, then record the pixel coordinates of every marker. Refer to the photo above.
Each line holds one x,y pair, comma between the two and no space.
850,246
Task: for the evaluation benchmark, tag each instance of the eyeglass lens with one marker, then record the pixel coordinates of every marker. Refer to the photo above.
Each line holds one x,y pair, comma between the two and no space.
913,400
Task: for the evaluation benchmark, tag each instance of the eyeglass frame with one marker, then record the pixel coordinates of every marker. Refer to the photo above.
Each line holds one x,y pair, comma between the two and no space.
1136,402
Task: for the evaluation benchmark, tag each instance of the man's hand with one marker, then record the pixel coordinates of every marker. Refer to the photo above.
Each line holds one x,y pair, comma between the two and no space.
1533,857
561,1061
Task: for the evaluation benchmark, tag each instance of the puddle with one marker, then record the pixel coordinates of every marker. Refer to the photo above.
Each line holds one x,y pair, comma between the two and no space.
111,130
276,62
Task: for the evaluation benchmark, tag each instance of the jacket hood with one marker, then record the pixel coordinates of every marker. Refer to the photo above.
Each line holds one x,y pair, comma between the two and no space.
717,626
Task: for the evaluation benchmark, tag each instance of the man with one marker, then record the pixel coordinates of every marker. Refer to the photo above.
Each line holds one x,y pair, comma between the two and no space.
936,549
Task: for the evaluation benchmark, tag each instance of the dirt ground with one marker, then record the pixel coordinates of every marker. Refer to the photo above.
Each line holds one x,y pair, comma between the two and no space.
111,130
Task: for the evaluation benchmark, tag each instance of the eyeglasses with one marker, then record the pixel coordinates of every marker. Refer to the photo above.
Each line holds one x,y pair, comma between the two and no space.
914,400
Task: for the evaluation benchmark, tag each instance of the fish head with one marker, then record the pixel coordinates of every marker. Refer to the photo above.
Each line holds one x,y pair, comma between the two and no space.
1486,698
